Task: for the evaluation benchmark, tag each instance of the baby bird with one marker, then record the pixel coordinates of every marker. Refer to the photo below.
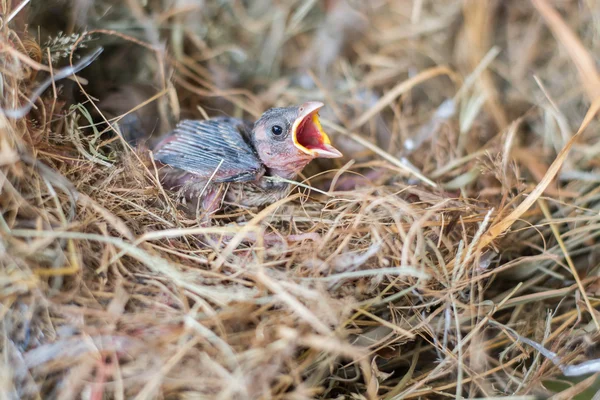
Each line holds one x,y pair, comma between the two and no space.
231,159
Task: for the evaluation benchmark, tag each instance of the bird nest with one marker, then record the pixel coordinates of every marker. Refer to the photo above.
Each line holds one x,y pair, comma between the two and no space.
453,251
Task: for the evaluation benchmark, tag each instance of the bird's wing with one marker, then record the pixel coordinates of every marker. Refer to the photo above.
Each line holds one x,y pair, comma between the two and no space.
203,147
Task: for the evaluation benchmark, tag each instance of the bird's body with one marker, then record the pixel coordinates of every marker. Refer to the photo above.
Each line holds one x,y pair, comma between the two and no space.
239,162
247,194
255,194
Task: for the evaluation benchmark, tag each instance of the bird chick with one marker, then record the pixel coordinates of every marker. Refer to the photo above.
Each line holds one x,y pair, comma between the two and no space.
231,159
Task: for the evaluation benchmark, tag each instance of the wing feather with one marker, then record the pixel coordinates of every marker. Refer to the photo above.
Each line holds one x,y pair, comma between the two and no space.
201,147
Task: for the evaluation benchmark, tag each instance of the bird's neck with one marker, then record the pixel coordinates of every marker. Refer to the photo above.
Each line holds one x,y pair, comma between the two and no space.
285,173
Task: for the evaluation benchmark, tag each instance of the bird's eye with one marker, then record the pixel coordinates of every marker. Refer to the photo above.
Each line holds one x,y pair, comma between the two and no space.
277,130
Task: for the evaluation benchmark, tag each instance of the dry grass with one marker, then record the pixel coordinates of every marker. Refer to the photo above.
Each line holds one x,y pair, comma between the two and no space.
463,217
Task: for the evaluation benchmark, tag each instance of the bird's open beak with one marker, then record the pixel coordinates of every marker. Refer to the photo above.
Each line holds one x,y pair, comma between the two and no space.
308,134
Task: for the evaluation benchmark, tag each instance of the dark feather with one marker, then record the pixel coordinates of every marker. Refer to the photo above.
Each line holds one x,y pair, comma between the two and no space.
200,146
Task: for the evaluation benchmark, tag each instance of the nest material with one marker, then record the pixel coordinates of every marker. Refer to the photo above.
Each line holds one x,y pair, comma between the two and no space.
466,222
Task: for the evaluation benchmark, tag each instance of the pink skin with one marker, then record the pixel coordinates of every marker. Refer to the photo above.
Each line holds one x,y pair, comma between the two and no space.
302,140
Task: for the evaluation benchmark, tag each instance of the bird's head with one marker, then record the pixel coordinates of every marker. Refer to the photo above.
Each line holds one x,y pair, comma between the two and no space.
287,139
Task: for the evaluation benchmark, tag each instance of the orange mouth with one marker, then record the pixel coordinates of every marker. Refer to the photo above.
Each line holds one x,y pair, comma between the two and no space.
308,135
